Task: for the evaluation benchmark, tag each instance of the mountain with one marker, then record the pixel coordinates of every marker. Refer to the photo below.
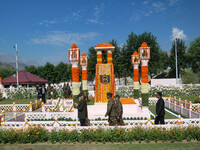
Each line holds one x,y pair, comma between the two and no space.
7,60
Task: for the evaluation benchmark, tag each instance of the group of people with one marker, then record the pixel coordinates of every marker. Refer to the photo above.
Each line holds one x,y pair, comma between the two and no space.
115,110
51,92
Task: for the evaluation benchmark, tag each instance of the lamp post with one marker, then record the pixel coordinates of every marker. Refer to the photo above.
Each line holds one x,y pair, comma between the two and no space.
17,66
176,61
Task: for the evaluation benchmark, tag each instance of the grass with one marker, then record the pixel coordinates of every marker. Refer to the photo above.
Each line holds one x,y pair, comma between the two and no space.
189,98
117,146
167,115
17,101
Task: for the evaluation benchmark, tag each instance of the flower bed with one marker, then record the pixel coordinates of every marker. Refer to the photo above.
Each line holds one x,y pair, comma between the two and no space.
38,134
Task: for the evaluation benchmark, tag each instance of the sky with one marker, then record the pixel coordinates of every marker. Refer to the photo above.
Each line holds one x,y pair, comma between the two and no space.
44,30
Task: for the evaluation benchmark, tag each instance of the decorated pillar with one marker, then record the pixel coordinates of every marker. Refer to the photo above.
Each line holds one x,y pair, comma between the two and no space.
136,62
84,64
104,78
109,57
144,56
74,55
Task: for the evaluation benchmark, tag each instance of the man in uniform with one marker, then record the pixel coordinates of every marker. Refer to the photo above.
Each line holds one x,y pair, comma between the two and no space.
111,111
65,92
119,110
82,110
49,91
54,92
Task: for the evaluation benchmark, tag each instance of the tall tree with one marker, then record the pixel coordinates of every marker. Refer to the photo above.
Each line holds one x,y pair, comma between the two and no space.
6,72
181,57
61,71
92,61
194,55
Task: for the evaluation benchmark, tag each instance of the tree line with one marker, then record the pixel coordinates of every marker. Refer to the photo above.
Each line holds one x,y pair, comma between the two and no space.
161,64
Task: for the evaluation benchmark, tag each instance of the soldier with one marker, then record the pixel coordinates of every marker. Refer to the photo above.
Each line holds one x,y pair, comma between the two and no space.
69,90
54,92
49,91
119,111
65,92
111,111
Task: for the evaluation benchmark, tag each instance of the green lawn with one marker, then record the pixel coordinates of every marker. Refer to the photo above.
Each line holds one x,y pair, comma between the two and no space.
189,98
17,101
143,146
167,115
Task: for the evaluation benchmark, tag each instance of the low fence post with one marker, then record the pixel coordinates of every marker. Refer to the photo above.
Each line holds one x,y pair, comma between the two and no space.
182,109
14,111
36,104
43,109
31,107
174,105
3,116
190,109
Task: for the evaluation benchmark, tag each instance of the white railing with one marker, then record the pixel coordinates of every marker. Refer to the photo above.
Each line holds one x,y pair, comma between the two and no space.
48,115
103,124
60,105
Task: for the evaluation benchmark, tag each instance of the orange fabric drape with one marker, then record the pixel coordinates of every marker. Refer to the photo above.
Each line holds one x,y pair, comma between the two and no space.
136,75
75,74
144,74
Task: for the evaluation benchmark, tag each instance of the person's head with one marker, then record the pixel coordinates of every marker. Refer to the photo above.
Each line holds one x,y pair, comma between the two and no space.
43,85
117,97
109,95
80,97
159,94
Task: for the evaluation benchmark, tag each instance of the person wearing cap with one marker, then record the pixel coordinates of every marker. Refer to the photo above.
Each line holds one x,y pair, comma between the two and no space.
82,110
119,110
111,111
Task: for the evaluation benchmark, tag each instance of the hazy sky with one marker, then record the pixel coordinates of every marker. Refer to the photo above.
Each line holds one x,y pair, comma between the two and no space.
45,29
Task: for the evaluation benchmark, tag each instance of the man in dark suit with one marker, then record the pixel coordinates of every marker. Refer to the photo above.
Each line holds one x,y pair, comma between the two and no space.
82,110
160,111
43,93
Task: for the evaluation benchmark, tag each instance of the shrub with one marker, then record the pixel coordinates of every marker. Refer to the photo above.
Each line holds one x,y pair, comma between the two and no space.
197,99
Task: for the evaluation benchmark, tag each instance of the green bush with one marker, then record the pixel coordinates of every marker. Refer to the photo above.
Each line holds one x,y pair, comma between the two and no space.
38,134
197,99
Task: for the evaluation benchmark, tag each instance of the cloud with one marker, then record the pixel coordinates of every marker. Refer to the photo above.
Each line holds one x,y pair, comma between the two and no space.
134,18
177,33
145,2
98,10
173,2
48,22
159,6
61,38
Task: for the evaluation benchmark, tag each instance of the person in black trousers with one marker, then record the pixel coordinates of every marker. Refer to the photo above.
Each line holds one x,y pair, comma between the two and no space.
160,111
82,109
43,93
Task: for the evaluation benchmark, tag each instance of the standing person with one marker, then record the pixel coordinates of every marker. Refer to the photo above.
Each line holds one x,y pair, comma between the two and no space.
43,93
49,91
65,92
82,110
111,111
160,111
119,111
54,92
69,90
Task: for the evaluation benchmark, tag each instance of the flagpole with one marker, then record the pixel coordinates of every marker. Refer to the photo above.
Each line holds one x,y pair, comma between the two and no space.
17,67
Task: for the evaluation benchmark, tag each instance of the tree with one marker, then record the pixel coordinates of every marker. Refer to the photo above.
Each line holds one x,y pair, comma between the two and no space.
158,59
194,55
6,72
181,57
49,73
92,61
61,71
32,69
189,77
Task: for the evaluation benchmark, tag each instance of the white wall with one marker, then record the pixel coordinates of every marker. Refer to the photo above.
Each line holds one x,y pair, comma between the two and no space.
164,82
